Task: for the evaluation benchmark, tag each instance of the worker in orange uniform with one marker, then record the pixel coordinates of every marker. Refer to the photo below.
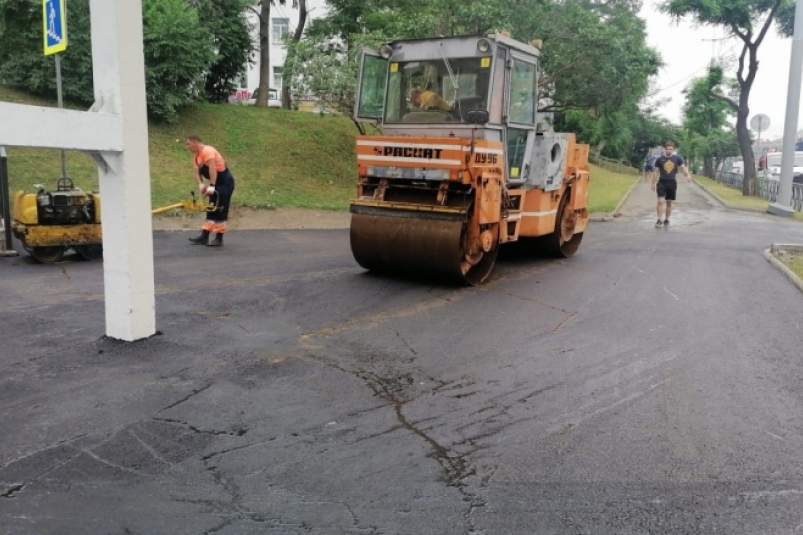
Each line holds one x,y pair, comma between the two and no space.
210,165
428,100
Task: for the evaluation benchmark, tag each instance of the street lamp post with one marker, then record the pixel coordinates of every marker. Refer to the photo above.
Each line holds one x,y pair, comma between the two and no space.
782,205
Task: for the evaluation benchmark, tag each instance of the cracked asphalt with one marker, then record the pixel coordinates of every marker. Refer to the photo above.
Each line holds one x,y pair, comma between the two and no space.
651,384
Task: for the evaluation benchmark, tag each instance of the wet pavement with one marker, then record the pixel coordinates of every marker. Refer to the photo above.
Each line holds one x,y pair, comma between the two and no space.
651,384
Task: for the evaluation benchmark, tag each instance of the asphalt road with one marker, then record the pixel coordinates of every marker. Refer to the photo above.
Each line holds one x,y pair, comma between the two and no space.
651,384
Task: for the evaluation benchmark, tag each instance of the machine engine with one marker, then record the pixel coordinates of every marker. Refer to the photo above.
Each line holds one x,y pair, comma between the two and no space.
64,207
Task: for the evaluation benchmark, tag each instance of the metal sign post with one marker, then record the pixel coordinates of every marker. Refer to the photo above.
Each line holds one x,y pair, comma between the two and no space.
760,122
6,249
61,105
55,34
783,201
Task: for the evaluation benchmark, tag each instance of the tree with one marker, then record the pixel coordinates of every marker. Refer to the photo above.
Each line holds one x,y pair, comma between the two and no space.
299,31
705,115
321,67
721,144
749,21
226,22
594,58
178,53
648,131
264,50
459,17
595,62
714,147
22,62
411,19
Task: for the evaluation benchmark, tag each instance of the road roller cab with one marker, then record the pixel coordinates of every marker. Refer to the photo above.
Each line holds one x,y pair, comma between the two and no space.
465,162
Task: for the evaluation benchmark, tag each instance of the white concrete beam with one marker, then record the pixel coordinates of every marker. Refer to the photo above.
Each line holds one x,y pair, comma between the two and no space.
119,78
54,128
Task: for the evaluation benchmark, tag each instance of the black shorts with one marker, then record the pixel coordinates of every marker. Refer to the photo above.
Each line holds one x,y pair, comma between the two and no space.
667,189
649,168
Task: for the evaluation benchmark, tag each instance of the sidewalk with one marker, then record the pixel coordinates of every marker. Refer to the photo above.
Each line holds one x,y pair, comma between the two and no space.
696,204
690,196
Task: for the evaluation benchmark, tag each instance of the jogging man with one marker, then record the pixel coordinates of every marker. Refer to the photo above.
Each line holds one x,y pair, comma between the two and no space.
665,174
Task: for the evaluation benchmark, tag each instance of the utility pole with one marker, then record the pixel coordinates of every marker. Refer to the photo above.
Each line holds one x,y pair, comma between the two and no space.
783,202
713,44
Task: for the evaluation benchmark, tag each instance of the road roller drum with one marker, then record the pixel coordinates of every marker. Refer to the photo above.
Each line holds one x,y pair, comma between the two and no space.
416,245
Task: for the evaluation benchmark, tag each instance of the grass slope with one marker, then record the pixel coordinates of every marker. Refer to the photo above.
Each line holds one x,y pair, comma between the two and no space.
736,198
606,189
278,157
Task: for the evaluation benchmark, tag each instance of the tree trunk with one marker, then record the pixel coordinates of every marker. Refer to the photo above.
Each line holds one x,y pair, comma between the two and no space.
264,54
708,167
287,78
599,147
745,143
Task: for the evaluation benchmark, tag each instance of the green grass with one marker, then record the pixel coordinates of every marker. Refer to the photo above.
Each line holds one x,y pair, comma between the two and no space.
793,262
278,157
607,189
734,196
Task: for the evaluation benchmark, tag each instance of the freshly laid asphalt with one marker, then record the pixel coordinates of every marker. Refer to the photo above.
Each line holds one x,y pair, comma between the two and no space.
651,384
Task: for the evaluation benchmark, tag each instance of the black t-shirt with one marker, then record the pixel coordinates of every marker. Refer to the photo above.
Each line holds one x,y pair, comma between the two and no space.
668,167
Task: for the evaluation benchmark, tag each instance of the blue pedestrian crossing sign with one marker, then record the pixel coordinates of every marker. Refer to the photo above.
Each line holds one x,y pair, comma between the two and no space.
55,12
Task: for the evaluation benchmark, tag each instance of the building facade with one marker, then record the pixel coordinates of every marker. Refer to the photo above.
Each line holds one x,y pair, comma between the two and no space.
283,23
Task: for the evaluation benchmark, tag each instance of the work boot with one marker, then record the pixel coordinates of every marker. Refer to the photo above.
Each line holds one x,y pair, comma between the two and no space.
201,238
217,241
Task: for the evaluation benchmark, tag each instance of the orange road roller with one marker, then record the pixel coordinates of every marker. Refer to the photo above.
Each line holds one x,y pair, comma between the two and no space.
465,163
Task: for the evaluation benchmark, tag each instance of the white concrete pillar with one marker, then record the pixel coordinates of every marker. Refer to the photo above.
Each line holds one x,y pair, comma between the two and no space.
119,79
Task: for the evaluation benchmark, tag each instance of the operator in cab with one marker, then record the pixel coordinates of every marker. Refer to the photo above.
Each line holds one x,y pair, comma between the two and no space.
428,100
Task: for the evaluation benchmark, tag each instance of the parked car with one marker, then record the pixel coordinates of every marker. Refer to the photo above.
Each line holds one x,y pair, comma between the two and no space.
321,110
774,167
273,98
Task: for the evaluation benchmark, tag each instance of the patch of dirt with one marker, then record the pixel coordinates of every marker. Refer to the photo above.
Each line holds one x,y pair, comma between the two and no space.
250,218
279,218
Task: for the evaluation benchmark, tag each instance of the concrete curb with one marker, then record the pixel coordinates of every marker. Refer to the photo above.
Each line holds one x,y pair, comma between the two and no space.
615,212
726,204
600,218
791,275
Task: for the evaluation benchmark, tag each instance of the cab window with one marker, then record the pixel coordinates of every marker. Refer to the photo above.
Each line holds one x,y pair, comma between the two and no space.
434,91
522,93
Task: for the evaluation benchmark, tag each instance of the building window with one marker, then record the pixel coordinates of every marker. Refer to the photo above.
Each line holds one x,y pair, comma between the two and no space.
277,78
281,27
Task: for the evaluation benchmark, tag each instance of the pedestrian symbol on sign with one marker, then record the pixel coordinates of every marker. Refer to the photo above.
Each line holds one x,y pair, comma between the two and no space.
55,26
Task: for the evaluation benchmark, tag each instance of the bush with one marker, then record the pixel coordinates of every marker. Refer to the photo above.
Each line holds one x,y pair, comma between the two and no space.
183,53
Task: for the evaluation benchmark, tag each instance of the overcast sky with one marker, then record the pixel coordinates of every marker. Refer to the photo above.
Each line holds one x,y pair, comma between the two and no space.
686,50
